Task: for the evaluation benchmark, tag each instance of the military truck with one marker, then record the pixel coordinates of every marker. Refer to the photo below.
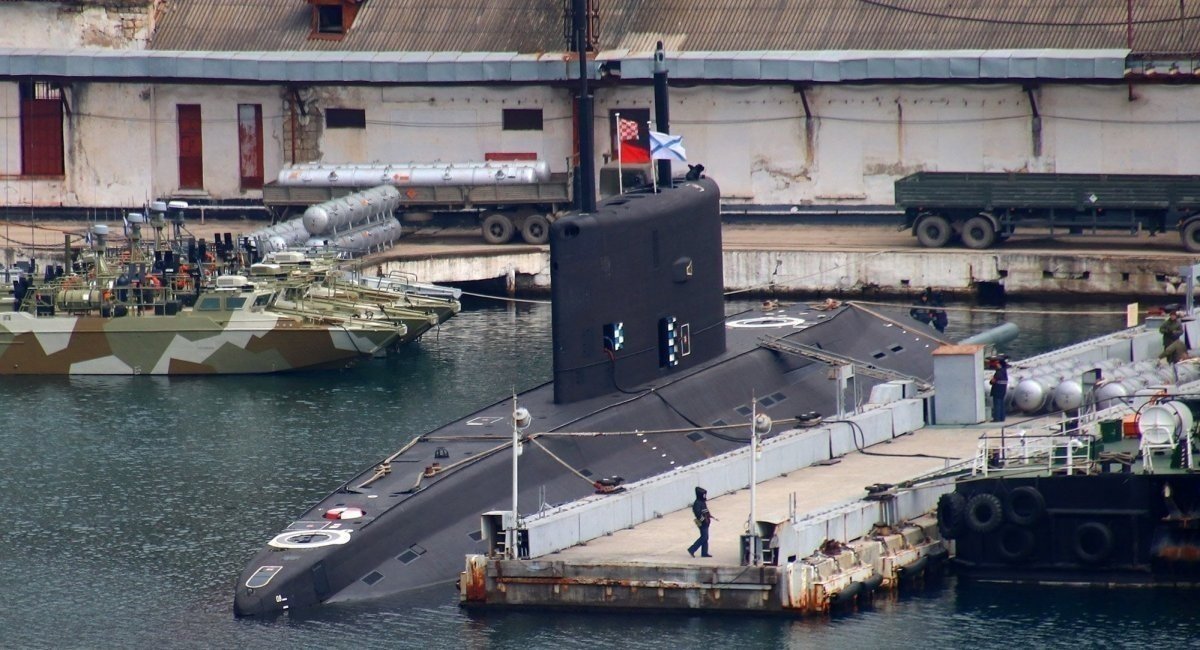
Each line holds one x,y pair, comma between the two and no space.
982,209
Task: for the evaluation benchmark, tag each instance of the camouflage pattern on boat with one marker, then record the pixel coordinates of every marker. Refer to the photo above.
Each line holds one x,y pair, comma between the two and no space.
229,330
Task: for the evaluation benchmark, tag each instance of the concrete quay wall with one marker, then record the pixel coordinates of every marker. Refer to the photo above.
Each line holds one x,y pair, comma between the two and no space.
872,272
838,576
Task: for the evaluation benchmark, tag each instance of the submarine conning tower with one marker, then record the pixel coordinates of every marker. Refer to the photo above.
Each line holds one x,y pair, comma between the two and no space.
637,289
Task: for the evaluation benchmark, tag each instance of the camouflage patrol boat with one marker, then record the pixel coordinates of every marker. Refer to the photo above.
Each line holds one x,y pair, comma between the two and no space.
77,326
313,284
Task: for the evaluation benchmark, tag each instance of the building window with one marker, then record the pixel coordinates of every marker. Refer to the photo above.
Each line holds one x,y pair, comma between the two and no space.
522,119
41,129
345,118
331,19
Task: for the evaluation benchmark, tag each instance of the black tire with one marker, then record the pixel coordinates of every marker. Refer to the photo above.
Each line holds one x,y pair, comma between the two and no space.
985,513
1015,543
950,510
978,233
1092,542
536,229
1191,236
1024,506
933,231
497,228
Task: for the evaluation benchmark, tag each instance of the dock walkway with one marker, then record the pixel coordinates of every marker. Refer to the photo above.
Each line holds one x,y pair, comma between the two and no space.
817,488
647,566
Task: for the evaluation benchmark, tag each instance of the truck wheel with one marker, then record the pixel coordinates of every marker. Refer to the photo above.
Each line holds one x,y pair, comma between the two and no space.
536,229
978,233
497,228
1191,236
933,231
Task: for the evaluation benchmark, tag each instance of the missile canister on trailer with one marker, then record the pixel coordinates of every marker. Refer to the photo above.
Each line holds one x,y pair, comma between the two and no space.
341,214
369,237
281,236
469,173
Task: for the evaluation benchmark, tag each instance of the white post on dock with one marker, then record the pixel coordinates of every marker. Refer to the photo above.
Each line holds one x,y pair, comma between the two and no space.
520,420
759,424
751,527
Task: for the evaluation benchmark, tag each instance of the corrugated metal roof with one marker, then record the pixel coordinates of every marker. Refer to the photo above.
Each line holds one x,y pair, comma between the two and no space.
381,25
533,26
479,67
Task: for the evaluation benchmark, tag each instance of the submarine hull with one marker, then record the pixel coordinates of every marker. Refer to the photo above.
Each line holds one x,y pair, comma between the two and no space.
621,277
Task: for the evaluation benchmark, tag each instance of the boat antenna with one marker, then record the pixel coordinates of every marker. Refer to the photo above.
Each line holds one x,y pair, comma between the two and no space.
587,144
662,110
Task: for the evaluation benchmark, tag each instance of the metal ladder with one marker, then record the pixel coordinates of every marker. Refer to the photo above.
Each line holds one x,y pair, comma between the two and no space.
800,349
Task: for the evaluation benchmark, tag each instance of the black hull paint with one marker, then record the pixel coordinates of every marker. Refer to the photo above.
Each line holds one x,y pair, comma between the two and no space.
1111,529
418,529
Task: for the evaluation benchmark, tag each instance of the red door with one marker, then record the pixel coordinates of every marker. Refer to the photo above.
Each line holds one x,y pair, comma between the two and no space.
41,130
250,146
191,147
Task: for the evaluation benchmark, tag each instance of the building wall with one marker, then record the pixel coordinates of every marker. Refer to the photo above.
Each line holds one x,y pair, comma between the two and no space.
122,138
219,112
114,24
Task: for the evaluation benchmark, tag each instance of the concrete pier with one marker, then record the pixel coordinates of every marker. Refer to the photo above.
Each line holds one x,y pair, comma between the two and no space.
865,540
798,259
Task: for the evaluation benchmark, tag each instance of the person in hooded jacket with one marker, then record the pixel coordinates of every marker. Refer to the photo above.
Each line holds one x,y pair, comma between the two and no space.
703,519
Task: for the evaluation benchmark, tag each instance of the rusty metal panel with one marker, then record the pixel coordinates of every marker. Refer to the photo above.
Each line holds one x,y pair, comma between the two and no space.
191,147
250,146
41,106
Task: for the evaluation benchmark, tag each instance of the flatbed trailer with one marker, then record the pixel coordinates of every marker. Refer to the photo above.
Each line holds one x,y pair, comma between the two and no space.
502,210
982,209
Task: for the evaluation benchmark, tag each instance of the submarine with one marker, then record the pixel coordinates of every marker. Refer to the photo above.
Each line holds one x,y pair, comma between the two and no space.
641,341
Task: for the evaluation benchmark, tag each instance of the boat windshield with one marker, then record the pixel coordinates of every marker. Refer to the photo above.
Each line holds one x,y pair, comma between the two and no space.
209,303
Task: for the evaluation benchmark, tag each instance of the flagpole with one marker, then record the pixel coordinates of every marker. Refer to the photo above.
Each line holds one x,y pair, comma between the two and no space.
653,166
620,171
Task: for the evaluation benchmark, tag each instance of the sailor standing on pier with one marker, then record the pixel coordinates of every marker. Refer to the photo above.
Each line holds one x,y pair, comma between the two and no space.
703,519
999,388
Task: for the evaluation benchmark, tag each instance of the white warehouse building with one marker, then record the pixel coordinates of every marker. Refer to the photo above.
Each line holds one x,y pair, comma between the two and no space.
112,103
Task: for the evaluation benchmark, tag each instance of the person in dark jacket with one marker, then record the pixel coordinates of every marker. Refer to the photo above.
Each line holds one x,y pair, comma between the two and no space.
999,389
1171,329
703,519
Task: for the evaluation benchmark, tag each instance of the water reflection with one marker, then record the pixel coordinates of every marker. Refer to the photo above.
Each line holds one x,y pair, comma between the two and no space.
131,503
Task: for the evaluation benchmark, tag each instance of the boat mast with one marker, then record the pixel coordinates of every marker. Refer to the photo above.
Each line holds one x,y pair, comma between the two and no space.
587,145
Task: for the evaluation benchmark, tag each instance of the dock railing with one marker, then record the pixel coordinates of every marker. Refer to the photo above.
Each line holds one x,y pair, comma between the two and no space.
1065,441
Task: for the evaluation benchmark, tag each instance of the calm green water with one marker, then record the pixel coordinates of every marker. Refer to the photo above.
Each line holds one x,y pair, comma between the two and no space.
131,504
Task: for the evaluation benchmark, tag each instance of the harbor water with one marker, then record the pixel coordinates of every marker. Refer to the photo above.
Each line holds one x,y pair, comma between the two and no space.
130,504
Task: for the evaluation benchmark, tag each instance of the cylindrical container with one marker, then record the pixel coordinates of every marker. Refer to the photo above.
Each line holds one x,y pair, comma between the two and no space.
1163,423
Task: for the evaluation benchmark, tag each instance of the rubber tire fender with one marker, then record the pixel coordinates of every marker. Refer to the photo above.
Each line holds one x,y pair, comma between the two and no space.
951,507
1092,542
847,597
1015,543
985,512
1024,505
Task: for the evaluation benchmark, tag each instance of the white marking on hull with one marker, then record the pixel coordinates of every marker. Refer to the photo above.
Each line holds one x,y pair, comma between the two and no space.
54,338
